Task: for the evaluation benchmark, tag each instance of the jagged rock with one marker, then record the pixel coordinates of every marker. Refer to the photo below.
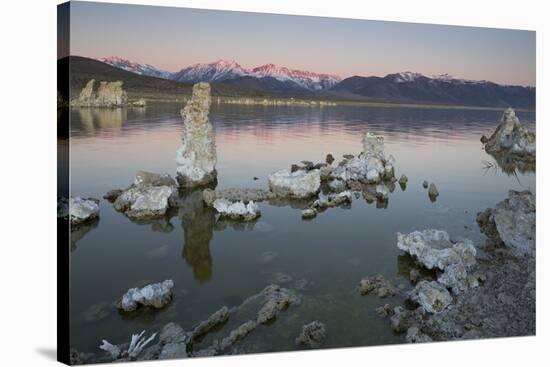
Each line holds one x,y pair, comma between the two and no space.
217,318
425,184
196,158
276,299
511,137
108,94
432,296
378,285
333,200
382,192
432,192
237,210
87,95
298,184
156,295
147,197
414,335
329,159
238,334
311,335
512,222
309,213
82,210
434,250
111,94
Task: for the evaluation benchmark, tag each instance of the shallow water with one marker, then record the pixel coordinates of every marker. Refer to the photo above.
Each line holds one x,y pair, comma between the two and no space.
214,265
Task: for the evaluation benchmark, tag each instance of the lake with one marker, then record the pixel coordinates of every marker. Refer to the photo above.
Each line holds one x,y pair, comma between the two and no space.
213,264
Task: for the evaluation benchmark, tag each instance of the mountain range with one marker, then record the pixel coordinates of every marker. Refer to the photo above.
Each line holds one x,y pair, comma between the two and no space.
403,87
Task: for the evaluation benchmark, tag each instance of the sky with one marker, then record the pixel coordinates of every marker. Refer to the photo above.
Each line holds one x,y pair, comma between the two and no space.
173,38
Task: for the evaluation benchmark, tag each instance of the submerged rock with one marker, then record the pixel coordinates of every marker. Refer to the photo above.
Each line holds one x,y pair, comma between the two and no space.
196,158
311,335
511,137
432,296
147,197
217,318
298,184
512,222
81,210
378,285
238,334
432,192
237,210
156,295
425,184
309,213
276,299
403,179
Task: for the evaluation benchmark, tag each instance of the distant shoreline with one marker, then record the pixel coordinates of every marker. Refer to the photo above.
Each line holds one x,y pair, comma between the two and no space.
300,102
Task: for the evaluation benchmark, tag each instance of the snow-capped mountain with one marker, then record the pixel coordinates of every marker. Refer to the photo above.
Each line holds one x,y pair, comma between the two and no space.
306,79
228,70
408,77
213,72
137,68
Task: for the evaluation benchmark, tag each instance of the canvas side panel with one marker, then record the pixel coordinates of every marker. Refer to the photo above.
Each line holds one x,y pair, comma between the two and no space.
63,231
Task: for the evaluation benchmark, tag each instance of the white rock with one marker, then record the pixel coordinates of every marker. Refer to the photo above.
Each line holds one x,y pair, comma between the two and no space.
196,158
309,213
237,210
298,184
145,201
156,295
434,249
83,210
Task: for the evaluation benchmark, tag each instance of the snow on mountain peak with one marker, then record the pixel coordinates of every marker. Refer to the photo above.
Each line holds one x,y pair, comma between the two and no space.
134,67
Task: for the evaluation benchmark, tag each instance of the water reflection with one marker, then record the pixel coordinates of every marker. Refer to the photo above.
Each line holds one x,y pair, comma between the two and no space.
100,118
77,232
509,164
198,223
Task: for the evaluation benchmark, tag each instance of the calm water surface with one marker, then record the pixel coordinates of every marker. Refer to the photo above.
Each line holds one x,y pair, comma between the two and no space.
214,265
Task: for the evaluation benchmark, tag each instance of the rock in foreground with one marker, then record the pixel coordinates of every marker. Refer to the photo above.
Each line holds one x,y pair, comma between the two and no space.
156,295
311,335
434,250
196,158
512,223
